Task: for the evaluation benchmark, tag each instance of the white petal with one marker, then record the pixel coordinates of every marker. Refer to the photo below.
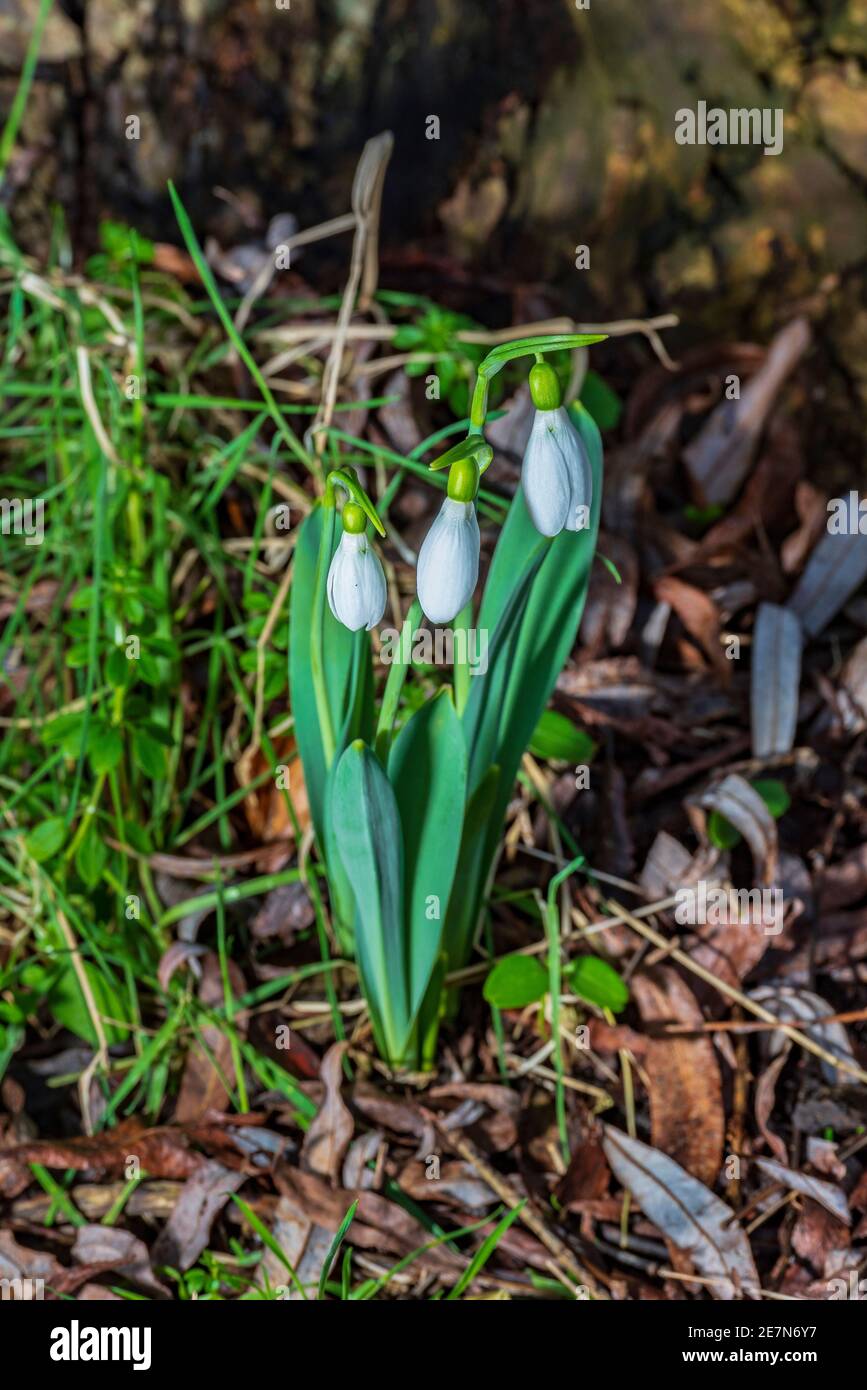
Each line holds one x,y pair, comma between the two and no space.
556,477
356,583
448,563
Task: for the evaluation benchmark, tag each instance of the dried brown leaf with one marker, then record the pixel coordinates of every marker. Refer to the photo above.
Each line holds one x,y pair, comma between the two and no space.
687,1119
686,1212
331,1129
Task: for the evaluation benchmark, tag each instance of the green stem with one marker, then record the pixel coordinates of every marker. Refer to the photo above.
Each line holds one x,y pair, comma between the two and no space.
462,663
552,924
317,632
394,684
10,130
507,352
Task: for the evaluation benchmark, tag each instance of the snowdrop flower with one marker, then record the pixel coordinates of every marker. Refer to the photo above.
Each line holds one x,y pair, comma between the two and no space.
556,474
448,563
356,583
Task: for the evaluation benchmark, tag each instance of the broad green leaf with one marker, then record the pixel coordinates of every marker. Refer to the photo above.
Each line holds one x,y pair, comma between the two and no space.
46,838
148,755
106,750
90,856
556,736
595,980
505,704
369,842
720,831
774,794
472,871
66,1003
603,404
344,654
60,729
428,770
516,981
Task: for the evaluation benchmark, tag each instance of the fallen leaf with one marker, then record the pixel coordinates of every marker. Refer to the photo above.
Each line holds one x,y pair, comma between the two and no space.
741,804
835,569
331,1129
188,1229
811,506
20,1262
822,1192
209,1058
161,1153
304,1245
766,1091
122,1251
801,1007
719,457
686,1212
699,615
265,807
817,1236
687,1119
775,679
456,1183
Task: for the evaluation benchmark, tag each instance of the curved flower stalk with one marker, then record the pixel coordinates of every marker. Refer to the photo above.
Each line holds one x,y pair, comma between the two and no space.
356,582
556,475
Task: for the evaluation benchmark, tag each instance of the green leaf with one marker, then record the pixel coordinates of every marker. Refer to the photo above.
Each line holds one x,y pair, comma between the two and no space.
67,1004
428,771
367,834
78,655
90,857
59,730
604,404
598,982
118,669
515,981
534,596
343,652
557,737
46,838
720,831
335,1246
106,750
148,755
774,794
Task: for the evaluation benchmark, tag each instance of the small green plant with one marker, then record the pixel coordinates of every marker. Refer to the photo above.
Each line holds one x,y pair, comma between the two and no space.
408,825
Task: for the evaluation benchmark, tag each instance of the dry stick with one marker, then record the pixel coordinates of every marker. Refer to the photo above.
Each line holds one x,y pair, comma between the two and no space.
385,332
100,1057
245,761
366,199
90,406
737,995
737,1126
737,1025
265,275
506,1193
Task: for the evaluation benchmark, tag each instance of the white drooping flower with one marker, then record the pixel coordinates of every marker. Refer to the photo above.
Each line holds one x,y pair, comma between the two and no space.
448,563
356,583
556,474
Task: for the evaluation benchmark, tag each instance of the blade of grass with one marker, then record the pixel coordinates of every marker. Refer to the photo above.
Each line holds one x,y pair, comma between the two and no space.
237,341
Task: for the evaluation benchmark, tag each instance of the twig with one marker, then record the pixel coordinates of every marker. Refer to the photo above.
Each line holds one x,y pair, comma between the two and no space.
737,995
506,1193
366,200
